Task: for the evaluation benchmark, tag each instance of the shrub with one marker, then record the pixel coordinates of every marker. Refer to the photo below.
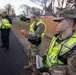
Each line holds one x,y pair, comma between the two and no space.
23,18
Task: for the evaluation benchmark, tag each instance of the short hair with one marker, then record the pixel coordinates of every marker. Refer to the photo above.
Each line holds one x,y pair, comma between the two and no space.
73,19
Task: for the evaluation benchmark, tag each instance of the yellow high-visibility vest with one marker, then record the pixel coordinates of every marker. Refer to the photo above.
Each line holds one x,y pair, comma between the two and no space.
60,49
32,27
6,24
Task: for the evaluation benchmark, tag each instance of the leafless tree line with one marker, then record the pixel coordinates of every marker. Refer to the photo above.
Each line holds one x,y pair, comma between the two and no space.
62,4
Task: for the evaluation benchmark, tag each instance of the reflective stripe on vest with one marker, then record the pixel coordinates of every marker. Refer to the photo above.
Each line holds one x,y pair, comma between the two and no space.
6,24
60,49
32,28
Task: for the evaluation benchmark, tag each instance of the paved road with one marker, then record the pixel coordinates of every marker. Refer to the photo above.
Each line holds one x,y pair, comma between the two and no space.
13,60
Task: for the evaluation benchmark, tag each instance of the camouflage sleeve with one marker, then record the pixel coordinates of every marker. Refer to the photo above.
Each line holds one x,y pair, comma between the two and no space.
40,29
71,65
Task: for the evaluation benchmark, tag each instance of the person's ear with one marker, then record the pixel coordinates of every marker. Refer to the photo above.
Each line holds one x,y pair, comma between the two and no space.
70,23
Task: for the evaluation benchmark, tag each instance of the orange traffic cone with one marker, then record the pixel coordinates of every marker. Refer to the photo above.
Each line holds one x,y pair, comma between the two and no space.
23,32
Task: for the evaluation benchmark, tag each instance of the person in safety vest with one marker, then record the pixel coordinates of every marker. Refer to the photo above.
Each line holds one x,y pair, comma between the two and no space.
36,33
61,56
5,27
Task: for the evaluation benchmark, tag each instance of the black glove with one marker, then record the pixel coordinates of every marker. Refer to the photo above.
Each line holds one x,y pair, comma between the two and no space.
43,69
44,58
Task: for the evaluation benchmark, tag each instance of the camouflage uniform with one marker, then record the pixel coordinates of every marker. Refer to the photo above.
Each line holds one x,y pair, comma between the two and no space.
71,55
69,58
35,48
35,41
71,67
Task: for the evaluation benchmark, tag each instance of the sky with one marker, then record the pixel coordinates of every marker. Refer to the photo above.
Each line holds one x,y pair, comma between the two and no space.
17,3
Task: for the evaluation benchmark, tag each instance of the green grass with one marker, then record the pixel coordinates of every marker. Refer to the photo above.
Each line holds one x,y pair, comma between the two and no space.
19,25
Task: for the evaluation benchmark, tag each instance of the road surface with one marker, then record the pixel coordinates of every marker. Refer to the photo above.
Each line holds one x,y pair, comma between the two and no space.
13,60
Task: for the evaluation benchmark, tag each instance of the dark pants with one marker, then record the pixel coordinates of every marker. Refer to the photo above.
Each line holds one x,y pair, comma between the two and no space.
5,37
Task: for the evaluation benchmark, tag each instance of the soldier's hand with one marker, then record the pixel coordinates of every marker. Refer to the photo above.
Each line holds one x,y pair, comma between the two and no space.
33,36
50,69
26,35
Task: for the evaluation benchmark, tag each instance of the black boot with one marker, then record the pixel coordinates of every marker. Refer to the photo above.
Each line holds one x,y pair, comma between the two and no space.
2,45
6,48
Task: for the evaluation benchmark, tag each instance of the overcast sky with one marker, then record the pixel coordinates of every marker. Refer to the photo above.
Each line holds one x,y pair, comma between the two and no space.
17,3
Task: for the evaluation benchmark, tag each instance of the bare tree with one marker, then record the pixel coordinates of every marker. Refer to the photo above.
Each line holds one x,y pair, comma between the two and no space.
71,4
42,3
61,4
25,9
10,9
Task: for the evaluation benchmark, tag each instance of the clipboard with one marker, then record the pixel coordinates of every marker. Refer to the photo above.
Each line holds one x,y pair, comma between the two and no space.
39,62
